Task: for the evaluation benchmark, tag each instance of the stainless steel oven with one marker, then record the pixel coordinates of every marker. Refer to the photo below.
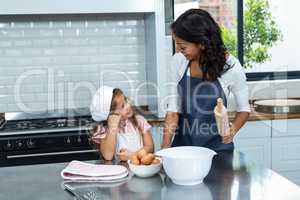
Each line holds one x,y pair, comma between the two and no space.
33,139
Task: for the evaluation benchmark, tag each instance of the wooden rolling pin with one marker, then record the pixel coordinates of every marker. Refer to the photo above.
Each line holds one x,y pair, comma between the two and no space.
221,118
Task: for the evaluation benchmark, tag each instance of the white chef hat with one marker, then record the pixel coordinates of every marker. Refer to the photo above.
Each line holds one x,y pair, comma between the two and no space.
100,106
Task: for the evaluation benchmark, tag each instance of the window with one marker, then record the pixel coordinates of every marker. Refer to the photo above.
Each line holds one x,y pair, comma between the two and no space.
283,53
280,31
223,11
279,58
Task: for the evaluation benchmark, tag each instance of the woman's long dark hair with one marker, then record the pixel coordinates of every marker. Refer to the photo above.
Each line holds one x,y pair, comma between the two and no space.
197,26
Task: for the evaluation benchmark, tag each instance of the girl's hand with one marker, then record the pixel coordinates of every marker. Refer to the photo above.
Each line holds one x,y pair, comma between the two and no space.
113,122
228,138
124,154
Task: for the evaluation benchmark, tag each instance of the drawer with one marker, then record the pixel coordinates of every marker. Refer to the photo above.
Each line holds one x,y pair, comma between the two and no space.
256,150
255,129
286,154
285,127
293,176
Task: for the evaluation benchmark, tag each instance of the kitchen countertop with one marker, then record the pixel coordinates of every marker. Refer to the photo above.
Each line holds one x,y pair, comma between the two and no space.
254,116
231,177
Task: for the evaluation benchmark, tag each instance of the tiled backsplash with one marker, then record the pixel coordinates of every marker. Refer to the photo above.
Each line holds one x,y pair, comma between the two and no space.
58,61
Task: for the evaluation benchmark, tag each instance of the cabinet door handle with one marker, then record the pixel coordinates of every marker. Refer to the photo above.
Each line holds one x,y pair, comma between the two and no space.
51,153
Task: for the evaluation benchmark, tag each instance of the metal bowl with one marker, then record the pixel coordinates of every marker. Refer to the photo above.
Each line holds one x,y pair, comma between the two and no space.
277,105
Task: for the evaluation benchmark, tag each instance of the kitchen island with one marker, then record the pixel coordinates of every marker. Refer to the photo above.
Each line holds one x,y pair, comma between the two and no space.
231,177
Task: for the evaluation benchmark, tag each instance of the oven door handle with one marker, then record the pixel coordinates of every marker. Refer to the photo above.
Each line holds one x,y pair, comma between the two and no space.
51,153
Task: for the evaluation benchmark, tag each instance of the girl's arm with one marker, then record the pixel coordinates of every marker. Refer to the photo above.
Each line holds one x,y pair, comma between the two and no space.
108,144
148,146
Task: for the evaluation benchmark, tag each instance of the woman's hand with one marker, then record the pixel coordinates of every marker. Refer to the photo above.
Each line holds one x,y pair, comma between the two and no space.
113,122
170,126
124,154
228,138
239,120
165,145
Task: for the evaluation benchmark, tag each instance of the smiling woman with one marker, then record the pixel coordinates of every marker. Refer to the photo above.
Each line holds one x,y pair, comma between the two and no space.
201,72
202,38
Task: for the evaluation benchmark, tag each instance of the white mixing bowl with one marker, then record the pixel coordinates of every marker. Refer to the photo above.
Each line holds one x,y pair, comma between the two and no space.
145,171
186,165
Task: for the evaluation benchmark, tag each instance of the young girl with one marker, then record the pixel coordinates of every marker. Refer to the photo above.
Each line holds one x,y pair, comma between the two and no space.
121,132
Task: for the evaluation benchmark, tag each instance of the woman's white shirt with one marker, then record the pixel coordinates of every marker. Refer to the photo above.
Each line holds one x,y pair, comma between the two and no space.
232,81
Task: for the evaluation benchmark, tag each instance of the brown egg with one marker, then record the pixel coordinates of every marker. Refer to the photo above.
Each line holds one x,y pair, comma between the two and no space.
134,160
155,161
147,159
151,155
133,157
141,153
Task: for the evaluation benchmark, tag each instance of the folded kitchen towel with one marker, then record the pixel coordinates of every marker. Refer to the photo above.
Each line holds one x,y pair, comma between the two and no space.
77,170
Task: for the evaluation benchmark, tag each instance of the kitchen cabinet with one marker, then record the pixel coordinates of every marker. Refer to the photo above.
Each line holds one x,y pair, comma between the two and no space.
285,127
273,144
254,139
286,148
255,129
285,154
157,133
293,176
79,6
257,150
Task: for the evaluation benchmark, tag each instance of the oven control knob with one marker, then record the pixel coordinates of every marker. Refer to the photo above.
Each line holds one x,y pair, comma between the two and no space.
20,144
30,144
8,145
79,140
68,140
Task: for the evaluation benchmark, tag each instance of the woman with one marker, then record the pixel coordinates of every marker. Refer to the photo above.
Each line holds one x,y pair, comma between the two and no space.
202,71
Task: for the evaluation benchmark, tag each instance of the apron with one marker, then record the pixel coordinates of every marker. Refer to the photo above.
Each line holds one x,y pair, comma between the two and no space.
197,124
131,141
